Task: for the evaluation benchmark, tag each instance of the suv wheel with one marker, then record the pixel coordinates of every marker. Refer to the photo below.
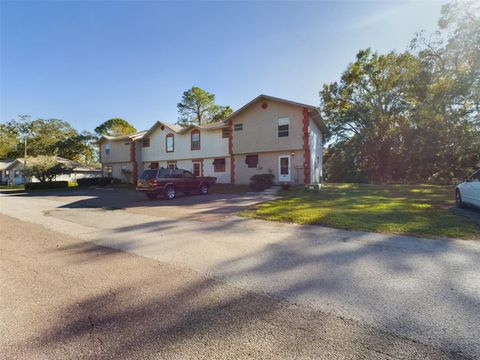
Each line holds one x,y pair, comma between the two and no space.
203,189
458,198
170,193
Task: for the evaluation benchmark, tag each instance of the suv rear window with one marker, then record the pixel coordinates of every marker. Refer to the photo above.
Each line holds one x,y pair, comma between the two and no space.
149,174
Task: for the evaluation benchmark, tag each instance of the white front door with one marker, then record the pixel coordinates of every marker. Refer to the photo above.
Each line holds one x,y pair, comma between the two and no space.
284,169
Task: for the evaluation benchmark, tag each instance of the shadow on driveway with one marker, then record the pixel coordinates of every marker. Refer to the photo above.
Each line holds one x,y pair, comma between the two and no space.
191,207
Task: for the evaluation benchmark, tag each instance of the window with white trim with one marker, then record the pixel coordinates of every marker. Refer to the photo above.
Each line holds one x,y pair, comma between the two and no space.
170,143
107,148
238,127
283,127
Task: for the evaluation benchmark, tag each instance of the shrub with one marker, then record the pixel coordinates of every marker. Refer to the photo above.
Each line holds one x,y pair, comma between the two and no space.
261,182
98,181
46,185
45,168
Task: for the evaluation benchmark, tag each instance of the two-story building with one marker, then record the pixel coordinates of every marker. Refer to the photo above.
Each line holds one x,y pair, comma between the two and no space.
201,149
277,136
267,135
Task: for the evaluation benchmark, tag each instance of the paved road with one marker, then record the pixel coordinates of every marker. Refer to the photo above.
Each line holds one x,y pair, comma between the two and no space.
426,290
63,298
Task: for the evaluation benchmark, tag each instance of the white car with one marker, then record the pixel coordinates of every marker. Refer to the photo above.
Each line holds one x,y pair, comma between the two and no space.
468,192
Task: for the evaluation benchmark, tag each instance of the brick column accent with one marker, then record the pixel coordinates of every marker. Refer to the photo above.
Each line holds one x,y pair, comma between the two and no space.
230,151
133,161
306,148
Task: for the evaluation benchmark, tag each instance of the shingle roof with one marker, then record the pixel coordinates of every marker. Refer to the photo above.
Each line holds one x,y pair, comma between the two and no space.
76,166
7,163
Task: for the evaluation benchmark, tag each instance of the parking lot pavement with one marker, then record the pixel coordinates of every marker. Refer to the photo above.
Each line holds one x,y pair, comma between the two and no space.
209,207
63,298
426,290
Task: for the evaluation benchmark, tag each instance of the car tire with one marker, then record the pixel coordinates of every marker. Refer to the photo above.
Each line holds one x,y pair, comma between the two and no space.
458,199
203,189
152,196
170,193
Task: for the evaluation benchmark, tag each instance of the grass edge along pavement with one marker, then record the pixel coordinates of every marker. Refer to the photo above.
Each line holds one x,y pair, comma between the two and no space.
417,210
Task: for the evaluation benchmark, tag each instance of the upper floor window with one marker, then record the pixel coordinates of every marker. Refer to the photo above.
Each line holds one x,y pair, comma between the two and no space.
170,143
225,132
283,127
195,139
146,142
238,127
107,148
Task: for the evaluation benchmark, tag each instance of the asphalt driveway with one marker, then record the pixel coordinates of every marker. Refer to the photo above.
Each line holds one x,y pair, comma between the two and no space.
425,290
194,207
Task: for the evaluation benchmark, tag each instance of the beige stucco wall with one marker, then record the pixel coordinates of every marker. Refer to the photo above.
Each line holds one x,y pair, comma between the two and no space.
260,128
211,145
268,163
119,152
117,171
222,177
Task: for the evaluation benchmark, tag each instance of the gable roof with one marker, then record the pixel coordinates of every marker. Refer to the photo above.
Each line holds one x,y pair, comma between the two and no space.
76,166
8,163
312,110
135,136
183,129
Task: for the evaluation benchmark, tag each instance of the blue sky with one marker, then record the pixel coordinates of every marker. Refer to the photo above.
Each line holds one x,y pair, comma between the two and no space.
88,61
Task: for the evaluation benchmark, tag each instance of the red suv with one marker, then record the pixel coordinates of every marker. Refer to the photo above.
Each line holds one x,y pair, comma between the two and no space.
169,182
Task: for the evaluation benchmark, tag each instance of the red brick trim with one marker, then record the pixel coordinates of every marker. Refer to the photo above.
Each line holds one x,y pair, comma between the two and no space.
230,151
306,148
133,161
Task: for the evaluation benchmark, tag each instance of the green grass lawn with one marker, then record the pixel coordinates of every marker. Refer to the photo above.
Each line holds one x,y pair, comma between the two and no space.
421,210
12,187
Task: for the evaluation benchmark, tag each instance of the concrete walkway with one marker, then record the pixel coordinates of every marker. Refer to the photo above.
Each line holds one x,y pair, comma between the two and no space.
426,290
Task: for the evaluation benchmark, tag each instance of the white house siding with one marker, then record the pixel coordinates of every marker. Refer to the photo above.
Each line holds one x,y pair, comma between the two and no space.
211,145
316,153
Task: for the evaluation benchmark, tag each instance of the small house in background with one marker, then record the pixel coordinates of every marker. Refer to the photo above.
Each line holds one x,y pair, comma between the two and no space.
11,171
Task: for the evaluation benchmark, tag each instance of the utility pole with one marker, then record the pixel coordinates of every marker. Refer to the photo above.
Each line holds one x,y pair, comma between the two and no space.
25,156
